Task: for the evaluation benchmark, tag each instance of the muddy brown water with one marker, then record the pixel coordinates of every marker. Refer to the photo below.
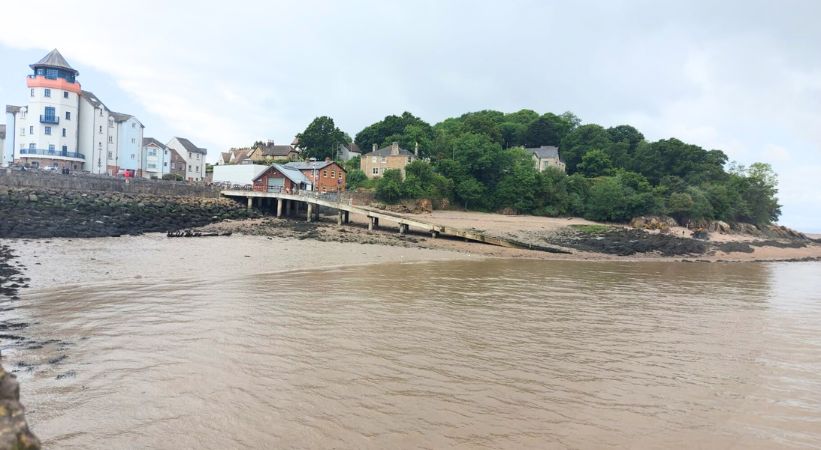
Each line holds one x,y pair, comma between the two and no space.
465,354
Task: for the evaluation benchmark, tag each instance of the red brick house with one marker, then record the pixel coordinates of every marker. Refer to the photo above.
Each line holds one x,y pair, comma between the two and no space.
330,176
279,178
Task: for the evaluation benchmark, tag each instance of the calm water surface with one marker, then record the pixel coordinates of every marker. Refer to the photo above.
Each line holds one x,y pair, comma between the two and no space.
492,354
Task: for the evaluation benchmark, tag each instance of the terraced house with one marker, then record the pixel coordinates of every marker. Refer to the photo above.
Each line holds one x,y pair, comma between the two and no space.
65,127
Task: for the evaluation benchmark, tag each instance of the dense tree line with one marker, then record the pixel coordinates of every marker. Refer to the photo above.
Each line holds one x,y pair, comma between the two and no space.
478,161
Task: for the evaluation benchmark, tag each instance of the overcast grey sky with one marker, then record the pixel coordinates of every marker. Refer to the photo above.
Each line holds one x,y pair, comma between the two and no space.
741,76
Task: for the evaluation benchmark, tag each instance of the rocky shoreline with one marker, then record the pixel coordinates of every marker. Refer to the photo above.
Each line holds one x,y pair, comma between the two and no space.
14,430
47,213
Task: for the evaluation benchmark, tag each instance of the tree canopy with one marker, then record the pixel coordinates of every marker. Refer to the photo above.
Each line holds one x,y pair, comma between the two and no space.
477,160
321,139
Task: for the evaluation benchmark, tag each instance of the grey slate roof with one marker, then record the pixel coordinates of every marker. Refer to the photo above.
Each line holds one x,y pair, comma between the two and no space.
13,109
95,102
2,131
545,152
191,147
54,59
292,174
151,140
309,165
277,150
386,151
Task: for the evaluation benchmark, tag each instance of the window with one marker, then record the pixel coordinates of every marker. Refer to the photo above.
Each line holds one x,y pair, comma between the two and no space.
132,156
376,171
65,149
47,93
50,113
51,148
101,115
133,125
23,131
110,155
198,169
165,164
111,139
325,173
31,129
189,167
32,146
101,129
32,92
373,159
384,160
68,115
48,131
152,166
65,94
333,174
110,123
64,132
133,140
51,74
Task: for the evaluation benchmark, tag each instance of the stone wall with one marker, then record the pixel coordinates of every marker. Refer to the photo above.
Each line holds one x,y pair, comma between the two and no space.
46,213
86,182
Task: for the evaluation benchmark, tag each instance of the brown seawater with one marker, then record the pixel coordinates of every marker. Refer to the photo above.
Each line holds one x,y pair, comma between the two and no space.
468,354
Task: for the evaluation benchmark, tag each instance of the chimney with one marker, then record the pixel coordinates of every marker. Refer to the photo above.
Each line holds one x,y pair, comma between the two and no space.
416,150
375,147
395,148
327,159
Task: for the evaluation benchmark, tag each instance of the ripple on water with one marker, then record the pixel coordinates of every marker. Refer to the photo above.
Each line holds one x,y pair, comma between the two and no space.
482,354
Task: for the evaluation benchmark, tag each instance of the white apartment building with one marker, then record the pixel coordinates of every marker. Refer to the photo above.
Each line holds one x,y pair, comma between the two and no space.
66,127
194,157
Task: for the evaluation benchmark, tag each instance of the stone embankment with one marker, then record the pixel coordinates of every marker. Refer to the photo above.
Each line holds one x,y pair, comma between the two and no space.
46,213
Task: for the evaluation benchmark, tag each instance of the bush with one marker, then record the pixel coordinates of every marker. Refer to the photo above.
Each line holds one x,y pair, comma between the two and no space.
172,177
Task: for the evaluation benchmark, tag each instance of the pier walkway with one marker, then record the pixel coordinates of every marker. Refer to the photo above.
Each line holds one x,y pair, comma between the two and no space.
291,204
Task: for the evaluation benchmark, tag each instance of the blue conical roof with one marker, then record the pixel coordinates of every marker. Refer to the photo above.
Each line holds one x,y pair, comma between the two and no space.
55,60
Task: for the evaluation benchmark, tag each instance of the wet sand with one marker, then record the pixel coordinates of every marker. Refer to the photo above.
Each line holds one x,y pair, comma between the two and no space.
523,228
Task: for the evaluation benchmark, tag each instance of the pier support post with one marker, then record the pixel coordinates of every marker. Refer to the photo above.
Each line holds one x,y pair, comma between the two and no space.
340,217
434,234
310,212
250,202
371,223
279,207
403,228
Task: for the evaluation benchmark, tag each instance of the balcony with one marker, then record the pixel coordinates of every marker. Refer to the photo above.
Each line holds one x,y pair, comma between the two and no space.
28,152
51,120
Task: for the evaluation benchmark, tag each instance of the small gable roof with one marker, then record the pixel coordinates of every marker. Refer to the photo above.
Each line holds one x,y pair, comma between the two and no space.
152,141
292,174
545,152
310,165
187,145
386,151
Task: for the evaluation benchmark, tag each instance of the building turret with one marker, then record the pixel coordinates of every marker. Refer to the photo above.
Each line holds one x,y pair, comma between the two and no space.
49,125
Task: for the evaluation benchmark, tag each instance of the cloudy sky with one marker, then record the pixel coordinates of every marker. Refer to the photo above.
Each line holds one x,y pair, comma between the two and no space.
741,76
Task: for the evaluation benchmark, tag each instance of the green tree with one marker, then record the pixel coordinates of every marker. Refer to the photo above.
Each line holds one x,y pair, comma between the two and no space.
595,163
470,191
356,178
321,139
407,129
581,140
389,187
